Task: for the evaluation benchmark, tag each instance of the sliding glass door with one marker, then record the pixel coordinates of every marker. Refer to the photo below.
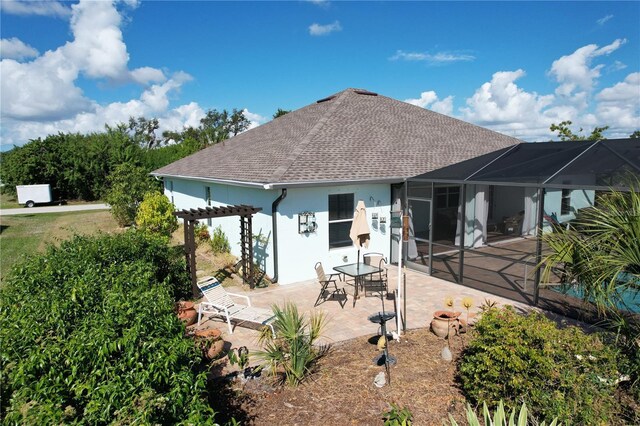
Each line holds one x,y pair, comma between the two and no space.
418,248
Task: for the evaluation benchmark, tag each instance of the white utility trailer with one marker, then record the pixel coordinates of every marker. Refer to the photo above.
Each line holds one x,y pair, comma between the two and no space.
30,195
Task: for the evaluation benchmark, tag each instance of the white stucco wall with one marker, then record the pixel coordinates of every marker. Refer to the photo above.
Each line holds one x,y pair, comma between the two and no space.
298,253
580,198
191,194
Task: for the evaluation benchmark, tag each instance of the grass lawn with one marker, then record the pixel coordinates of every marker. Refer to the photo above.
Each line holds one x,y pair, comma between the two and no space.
8,201
30,233
11,202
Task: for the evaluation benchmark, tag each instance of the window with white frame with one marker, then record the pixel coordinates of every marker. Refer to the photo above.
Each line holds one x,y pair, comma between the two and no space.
340,219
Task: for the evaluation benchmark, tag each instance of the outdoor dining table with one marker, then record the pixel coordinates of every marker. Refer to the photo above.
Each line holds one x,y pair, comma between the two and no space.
357,271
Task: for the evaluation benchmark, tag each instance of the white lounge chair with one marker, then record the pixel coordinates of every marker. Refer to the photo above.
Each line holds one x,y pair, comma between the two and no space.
219,303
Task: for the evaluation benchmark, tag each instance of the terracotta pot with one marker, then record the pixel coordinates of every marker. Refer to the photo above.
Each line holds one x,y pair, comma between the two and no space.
215,349
187,313
209,333
445,323
184,305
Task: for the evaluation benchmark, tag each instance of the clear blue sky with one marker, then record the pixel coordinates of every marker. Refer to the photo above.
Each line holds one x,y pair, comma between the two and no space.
514,67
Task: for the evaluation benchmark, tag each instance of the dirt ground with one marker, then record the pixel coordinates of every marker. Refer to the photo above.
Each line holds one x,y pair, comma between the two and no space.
342,390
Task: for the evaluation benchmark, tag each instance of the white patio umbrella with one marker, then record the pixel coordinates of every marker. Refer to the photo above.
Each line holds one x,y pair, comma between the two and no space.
359,232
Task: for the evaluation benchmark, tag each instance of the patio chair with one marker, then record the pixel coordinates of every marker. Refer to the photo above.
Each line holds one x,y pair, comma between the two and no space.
219,303
329,287
377,282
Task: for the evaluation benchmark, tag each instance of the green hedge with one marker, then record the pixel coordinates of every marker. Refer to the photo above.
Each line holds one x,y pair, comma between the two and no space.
89,336
562,373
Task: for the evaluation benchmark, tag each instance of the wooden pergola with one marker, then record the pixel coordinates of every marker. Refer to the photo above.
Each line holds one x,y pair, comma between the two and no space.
191,218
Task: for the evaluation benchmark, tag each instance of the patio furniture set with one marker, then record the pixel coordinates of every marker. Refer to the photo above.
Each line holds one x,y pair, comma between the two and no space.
370,276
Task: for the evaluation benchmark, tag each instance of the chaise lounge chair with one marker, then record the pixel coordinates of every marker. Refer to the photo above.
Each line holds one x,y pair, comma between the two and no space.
220,304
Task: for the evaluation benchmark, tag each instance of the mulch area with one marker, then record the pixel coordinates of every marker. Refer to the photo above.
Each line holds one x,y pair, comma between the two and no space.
342,389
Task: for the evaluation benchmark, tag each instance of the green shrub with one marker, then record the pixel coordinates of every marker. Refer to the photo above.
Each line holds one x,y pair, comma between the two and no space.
128,185
219,241
155,214
89,336
397,416
201,232
292,353
561,373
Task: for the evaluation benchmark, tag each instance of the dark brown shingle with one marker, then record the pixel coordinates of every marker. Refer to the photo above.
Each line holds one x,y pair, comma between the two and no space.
354,135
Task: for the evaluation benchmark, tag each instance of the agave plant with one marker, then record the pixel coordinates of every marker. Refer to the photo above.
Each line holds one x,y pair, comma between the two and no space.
292,353
601,250
500,417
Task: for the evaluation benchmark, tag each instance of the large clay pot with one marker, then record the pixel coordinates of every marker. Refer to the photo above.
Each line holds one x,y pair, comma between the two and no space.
215,349
445,323
187,313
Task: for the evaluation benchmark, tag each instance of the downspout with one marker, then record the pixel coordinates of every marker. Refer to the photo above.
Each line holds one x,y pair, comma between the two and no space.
274,226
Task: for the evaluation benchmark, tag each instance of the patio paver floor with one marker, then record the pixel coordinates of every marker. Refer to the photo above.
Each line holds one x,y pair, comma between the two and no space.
425,295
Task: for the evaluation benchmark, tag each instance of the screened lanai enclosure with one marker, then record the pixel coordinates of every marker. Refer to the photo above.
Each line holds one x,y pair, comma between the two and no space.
479,222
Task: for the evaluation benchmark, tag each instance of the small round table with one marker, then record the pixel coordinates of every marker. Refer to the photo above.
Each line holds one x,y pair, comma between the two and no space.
381,318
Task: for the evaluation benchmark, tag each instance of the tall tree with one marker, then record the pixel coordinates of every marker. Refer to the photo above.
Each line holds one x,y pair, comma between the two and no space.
237,122
566,134
144,131
635,135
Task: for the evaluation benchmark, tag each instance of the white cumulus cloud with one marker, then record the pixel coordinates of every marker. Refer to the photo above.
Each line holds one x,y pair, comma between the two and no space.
501,101
619,105
431,101
41,97
574,72
254,119
320,30
31,7
145,75
14,48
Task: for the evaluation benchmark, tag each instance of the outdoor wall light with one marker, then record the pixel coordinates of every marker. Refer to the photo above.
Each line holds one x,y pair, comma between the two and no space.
307,222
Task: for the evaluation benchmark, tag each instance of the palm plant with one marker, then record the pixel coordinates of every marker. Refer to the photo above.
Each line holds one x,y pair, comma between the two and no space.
292,353
601,250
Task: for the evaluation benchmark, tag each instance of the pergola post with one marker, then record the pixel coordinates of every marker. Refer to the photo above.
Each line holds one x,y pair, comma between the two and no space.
190,218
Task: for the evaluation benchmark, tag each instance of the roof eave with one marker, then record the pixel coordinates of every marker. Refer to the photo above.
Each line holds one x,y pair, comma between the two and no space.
280,185
211,180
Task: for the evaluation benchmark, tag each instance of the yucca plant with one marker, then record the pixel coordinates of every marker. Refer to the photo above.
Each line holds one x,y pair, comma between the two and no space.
500,417
292,353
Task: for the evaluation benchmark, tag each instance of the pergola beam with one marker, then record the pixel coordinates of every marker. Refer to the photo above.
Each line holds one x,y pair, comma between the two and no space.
191,216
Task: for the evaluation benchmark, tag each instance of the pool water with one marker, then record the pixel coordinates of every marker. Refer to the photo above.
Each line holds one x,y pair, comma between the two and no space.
629,298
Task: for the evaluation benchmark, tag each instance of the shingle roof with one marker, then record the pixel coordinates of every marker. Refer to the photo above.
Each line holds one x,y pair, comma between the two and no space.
354,135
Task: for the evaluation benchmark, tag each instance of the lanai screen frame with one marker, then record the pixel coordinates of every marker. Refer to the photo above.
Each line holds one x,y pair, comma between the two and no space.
543,166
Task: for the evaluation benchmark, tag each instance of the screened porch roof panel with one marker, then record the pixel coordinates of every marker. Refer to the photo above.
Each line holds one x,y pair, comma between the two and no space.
606,163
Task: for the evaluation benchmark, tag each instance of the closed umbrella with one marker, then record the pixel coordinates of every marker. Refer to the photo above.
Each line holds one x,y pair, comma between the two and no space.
359,232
